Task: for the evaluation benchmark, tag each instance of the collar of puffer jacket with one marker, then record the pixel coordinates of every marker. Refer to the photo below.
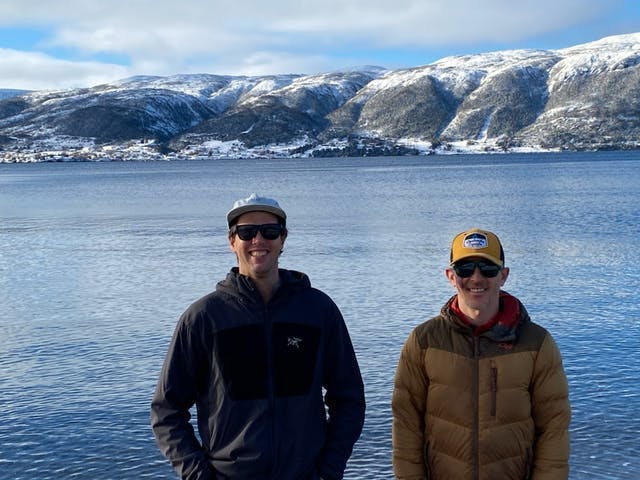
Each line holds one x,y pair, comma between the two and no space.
502,326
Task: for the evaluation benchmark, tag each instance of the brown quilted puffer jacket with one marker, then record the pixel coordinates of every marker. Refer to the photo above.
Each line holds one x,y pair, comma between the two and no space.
488,406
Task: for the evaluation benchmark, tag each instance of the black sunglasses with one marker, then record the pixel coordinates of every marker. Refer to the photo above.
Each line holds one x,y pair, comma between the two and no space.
269,231
466,269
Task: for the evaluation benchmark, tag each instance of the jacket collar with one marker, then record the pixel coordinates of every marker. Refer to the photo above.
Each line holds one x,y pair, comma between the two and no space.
501,328
243,288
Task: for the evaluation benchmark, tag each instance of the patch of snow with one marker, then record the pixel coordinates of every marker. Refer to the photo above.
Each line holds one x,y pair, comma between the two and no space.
482,135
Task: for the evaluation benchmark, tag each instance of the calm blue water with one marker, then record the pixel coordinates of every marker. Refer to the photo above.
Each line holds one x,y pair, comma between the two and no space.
97,261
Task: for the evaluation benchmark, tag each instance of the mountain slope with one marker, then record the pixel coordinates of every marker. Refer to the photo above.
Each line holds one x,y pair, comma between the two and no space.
583,97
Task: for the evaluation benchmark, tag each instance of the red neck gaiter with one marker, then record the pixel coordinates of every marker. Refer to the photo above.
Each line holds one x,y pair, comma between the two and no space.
507,315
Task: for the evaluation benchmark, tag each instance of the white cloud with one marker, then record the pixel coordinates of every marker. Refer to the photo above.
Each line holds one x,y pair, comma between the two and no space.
36,71
258,37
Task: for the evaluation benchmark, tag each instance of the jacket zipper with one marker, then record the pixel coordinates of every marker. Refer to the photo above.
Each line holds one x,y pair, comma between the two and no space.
268,327
494,389
476,421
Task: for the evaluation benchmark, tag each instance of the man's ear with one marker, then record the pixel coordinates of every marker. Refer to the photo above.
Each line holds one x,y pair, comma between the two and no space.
451,276
505,274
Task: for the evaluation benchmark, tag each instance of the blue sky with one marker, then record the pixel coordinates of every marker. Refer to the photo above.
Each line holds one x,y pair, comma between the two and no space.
50,44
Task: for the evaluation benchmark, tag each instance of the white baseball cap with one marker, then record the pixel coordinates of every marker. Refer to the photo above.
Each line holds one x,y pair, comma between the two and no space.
255,203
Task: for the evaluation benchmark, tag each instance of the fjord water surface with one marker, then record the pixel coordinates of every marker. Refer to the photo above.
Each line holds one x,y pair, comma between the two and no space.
98,260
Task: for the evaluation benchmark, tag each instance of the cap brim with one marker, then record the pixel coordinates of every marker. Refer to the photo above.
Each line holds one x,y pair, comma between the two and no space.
493,259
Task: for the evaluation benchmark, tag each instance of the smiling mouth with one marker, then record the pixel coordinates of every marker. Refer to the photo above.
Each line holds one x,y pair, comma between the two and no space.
258,253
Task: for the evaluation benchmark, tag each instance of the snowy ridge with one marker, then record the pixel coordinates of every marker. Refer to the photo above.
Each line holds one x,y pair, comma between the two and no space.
582,97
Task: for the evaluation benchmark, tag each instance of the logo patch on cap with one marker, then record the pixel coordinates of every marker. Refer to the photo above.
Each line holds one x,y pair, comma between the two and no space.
475,241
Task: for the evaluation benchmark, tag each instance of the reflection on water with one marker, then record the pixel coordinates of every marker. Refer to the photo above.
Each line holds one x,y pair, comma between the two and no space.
98,260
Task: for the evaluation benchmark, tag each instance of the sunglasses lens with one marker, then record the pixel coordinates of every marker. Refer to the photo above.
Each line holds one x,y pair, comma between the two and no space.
269,231
489,270
246,232
465,270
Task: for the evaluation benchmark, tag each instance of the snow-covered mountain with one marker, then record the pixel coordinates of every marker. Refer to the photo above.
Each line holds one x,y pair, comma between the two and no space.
580,98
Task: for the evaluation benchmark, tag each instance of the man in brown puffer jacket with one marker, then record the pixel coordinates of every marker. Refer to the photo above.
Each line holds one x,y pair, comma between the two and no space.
480,391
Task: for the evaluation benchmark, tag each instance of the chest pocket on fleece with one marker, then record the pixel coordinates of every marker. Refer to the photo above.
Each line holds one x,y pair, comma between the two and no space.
295,356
